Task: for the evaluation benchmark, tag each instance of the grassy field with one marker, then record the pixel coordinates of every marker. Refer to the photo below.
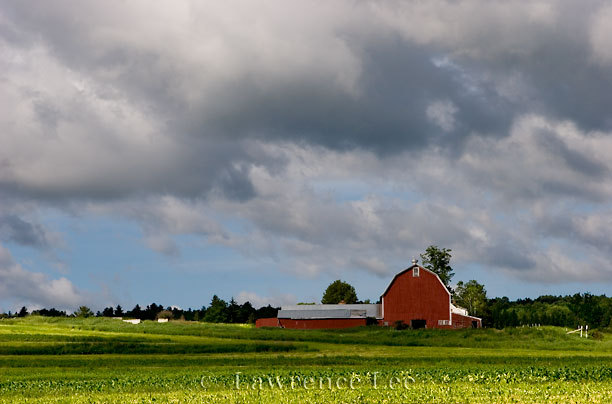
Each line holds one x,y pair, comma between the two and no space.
60,360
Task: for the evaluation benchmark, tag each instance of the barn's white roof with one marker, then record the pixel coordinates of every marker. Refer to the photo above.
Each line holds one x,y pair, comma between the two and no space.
312,311
459,310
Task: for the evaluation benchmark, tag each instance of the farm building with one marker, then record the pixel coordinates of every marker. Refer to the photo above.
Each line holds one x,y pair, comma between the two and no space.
416,297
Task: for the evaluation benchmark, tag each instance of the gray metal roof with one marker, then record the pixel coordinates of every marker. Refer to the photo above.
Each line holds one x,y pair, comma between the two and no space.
330,311
304,314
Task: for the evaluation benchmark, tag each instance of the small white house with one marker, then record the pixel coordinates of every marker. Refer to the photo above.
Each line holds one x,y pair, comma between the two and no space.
162,320
133,321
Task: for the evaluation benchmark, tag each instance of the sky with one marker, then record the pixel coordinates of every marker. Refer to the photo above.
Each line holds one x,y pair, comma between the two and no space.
167,151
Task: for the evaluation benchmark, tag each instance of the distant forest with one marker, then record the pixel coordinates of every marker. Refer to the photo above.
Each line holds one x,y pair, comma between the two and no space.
565,311
219,311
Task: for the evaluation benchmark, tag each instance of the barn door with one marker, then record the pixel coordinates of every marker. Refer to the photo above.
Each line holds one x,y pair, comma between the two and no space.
415,324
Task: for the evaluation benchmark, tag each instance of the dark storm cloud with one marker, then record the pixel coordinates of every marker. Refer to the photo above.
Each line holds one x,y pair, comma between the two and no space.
373,96
397,83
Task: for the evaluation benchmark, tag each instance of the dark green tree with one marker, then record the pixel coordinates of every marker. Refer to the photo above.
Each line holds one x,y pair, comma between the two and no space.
199,315
150,312
136,312
23,312
217,312
437,260
233,312
471,296
266,312
247,313
119,311
52,312
108,312
83,312
339,291
251,319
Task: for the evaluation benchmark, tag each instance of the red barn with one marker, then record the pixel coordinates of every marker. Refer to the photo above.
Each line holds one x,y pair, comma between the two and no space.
415,297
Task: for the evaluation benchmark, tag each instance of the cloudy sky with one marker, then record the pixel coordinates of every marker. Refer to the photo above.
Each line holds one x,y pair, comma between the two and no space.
166,151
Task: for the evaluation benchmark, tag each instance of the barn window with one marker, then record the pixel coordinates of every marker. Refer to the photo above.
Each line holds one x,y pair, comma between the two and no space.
443,322
415,272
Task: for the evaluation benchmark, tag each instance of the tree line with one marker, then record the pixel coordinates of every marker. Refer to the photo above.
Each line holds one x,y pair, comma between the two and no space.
219,311
565,311
500,312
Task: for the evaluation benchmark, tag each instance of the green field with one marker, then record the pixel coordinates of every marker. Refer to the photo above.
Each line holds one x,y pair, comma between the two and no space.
62,360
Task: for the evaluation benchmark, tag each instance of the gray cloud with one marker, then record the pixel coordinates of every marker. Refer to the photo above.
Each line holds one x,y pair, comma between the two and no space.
542,160
17,230
592,229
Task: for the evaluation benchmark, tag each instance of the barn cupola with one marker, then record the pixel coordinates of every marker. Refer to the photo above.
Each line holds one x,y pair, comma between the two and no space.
415,268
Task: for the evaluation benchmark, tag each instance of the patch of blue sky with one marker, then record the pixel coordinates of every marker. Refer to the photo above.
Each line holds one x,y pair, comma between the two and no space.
34,260
589,208
109,258
355,190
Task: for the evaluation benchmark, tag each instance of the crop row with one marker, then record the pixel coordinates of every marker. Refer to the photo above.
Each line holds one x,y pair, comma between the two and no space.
548,392
268,379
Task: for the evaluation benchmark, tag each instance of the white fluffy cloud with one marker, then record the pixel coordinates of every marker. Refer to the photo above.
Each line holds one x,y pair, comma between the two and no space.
35,289
275,300
442,113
